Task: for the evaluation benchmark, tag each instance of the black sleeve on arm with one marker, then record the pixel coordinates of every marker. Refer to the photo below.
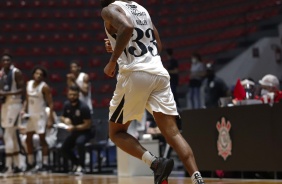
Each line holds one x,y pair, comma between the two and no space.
65,110
85,112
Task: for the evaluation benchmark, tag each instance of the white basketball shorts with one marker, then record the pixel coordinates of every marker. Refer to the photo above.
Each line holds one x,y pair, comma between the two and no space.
9,114
137,91
37,123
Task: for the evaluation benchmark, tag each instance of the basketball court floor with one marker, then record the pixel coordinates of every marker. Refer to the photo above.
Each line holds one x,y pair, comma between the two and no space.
113,179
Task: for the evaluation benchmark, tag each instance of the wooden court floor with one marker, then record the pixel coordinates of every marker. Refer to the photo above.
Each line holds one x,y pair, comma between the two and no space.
113,179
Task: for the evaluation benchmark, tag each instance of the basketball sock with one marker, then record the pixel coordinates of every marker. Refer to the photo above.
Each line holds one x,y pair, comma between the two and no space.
9,161
45,160
148,158
197,178
16,160
30,159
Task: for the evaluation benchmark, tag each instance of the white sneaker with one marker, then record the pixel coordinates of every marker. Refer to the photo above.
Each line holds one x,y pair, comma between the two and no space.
7,172
79,170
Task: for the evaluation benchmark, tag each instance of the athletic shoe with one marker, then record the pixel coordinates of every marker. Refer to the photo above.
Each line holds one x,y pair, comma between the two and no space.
162,168
7,172
44,169
30,169
17,171
198,179
79,171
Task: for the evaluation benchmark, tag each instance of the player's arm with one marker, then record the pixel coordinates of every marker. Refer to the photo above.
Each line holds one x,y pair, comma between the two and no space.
114,16
85,113
157,37
19,83
85,86
84,126
25,105
49,100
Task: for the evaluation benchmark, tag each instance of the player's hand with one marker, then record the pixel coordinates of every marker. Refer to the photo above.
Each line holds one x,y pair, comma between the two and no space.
71,77
49,123
110,69
108,45
70,128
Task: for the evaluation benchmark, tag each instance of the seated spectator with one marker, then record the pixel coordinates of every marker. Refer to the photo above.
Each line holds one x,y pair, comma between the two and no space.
270,92
77,117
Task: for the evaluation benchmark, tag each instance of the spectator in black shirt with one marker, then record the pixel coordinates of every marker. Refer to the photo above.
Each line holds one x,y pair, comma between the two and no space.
214,87
76,115
173,72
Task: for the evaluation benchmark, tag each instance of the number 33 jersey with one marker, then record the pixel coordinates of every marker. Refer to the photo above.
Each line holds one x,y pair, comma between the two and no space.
36,101
141,53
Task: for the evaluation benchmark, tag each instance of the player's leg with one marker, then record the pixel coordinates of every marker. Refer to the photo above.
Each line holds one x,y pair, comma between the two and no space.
67,149
161,103
30,149
45,152
9,149
168,127
16,152
118,134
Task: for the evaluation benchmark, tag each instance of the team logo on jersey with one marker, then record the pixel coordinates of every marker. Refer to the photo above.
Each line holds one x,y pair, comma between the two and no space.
77,112
224,143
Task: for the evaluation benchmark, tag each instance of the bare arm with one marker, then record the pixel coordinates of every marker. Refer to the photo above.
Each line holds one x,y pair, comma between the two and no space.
49,100
85,86
115,19
20,85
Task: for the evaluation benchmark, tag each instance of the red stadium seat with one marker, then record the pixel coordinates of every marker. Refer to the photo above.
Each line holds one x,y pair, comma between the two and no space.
54,92
59,64
106,88
58,106
95,63
27,65
36,51
66,51
37,26
82,50
51,51
54,77
44,64
95,103
105,102
93,76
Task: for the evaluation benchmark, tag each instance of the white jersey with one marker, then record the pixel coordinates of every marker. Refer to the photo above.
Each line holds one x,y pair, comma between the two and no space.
13,88
36,100
86,99
141,53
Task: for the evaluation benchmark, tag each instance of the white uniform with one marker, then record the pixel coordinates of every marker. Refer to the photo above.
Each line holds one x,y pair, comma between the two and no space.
36,108
143,82
10,111
86,99
12,106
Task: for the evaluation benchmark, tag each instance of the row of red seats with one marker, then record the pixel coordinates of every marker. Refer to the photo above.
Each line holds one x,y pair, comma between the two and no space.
57,64
49,3
56,37
206,50
209,38
51,26
53,51
47,14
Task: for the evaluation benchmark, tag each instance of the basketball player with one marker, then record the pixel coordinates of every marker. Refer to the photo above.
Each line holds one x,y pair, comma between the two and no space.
81,80
12,86
38,94
142,83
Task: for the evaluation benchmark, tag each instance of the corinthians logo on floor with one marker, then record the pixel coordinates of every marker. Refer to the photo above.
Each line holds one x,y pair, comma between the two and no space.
224,143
